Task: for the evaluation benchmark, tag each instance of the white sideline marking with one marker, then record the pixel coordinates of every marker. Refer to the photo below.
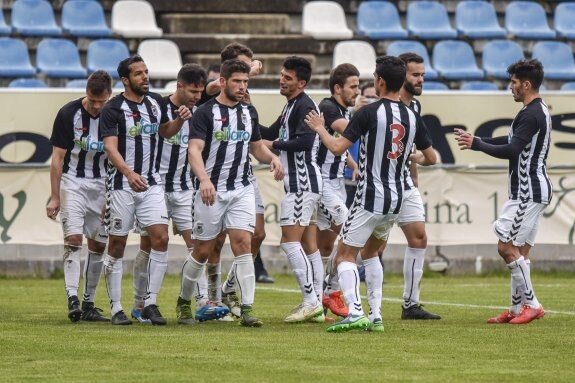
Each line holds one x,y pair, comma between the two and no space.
398,300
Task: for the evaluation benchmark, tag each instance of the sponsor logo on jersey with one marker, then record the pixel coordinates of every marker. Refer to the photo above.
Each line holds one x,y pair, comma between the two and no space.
227,134
180,138
89,144
145,129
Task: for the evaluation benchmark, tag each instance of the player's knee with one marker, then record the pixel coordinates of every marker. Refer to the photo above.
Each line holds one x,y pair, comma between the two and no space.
73,240
325,249
259,237
418,240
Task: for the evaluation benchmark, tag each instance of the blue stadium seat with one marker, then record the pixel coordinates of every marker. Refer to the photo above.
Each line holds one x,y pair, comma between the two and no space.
398,47
379,20
454,60
14,59
79,83
84,18
434,85
570,86
557,59
27,83
106,54
498,55
59,58
34,18
479,85
429,20
565,20
4,28
477,20
527,20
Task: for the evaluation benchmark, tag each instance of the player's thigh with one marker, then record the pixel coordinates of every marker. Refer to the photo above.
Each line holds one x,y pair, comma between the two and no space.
241,211
150,207
518,222
298,208
208,219
332,209
179,205
260,207
73,206
94,226
411,208
120,208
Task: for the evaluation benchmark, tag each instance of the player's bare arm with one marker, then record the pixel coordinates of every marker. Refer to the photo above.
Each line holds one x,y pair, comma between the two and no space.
55,177
263,154
316,123
136,181
170,128
350,163
424,157
207,189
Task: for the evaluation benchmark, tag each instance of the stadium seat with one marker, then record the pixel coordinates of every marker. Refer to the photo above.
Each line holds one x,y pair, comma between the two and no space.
557,59
162,57
14,59
4,28
379,20
171,86
27,83
477,19
429,20
119,85
84,18
134,18
59,58
325,20
398,47
527,20
479,85
78,83
498,55
568,86
34,18
359,53
106,54
564,20
454,60
434,85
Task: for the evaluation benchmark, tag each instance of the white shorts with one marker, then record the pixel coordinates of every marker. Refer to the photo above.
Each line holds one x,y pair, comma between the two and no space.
362,224
332,209
148,207
298,208
82,201
234,209
260,208
411,208
179,205
519,222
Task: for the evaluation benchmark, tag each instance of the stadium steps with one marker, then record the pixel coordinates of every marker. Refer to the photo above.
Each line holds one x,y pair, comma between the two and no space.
225,23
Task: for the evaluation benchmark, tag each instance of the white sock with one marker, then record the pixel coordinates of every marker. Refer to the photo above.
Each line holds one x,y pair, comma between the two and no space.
302,270
521,286
528,264
529,297
412,272
315,261
374,282
140,277
113,275
332,279
215,281
92,271
202,291
191,273
72,269
349,282
229,285
157,266
246,278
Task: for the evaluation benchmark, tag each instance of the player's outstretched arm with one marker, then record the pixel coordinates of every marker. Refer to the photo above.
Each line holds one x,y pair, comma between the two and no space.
498,150
316,123
207,189
263,154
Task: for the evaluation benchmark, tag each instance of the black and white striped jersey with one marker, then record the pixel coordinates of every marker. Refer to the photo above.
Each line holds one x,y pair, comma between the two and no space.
387,130
77,131
137,126
173,155
332,166
298,146
528,179
415,105
227,132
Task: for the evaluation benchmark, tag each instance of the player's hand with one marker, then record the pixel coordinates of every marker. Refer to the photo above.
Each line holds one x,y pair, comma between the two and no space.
277,168
355,173
184,112
360,102
208,192
268,144
53,208
463,138
137,182
256,68
314,121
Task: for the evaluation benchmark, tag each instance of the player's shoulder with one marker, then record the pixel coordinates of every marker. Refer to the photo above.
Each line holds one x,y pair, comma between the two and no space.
114,102
70,108
328,103
156,97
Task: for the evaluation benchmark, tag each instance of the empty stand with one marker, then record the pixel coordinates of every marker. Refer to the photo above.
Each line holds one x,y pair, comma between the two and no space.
398,47
454,60
379,20
84,18
59,58
498,55
34,18
171,86
564,20
477,20
568,86
429,20
527,20
27,83
4,28
78,83
134,18
479,86
325,20
14,59
557,59
434,85
106,54
162,57
359,53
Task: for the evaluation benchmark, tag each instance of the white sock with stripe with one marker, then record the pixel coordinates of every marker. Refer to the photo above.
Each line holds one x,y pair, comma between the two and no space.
113,275
140,277
374,282
191,273
317,272
349,282
246,278
301,268
92,272
72,269
157,267
412,273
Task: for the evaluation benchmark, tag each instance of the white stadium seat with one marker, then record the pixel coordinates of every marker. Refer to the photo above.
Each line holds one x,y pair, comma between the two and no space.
325,20
359,53
162,57
134,18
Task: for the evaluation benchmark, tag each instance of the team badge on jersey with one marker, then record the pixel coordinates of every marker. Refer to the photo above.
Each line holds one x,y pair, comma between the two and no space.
154,110
244,119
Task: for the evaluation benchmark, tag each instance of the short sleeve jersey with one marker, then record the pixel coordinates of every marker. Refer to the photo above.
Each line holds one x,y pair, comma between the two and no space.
332,166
